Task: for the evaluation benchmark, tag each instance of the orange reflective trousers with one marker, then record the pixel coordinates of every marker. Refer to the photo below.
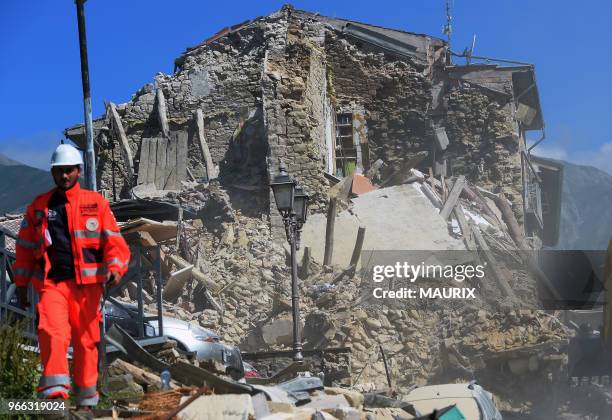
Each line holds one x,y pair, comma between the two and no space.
68,310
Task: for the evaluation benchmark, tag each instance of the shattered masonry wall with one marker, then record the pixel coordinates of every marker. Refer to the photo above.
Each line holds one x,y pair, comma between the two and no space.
394,92
484,144
397,96
263,89
294,87
294,84
223,79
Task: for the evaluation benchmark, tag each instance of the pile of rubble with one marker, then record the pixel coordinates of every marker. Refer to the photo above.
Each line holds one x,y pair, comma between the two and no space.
237,282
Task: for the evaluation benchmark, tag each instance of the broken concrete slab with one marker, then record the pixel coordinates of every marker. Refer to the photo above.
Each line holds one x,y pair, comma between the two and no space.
160,231
354,398
396,218
177,281
229,407
324,401
278,332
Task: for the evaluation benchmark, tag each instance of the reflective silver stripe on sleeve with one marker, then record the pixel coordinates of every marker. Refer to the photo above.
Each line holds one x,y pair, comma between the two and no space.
95,234
98,271
116,261
27,244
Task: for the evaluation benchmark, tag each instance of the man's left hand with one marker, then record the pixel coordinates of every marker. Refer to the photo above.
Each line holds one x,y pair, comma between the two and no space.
113,278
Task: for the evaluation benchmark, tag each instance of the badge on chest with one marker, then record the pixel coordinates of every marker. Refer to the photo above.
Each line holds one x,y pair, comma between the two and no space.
92,224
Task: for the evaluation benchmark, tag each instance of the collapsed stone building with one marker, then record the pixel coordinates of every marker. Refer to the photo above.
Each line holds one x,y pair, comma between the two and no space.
331,98
328,96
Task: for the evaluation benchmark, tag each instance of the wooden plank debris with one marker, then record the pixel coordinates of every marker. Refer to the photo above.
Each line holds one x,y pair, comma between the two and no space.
329,231
120,133
525,250
432,195
197,274
400,174
358,246
181,158
451,201
306,260
152,165
210,167
159,231
143,165
481,204
162,115
140,376
466,231
177,281
160,166
342,190
170,178
492,266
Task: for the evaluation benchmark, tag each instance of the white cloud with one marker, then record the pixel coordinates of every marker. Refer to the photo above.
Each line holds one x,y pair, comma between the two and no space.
600,158
552,152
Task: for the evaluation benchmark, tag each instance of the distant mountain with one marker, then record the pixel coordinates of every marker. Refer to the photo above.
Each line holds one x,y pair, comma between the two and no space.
6,161
586,210
19,184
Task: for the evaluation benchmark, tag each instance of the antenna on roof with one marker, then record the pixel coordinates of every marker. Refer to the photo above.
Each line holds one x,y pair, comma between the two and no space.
469,52
448,27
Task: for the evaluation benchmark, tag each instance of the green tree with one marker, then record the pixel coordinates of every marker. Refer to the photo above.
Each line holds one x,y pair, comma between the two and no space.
19,367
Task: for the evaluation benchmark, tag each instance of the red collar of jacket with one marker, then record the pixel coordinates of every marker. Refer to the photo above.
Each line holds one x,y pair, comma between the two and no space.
72,193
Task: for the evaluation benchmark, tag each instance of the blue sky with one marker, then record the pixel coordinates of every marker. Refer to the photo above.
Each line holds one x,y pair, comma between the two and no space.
130,41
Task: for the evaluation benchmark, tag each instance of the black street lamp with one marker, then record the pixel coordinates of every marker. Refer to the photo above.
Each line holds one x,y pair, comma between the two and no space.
292,203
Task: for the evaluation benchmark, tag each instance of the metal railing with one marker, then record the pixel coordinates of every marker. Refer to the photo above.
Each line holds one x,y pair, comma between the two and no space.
9,310
146,262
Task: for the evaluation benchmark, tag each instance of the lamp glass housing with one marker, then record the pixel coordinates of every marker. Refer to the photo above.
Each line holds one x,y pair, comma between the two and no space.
283,188
301,204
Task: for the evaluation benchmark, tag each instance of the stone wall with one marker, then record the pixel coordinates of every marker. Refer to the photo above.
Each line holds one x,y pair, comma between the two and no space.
484,145
394,92
222,79
294,89
263,92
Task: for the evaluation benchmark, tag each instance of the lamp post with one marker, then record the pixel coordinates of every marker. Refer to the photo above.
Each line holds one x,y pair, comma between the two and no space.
292,203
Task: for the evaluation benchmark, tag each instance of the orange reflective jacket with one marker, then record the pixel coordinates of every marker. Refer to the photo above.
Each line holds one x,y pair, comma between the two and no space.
97,244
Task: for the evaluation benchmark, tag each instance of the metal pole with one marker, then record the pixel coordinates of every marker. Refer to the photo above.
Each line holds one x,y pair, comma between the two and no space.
3,265
90,162
295,302
384,357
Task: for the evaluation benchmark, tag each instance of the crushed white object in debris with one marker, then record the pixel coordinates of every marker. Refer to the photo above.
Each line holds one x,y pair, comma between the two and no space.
476,218
455,227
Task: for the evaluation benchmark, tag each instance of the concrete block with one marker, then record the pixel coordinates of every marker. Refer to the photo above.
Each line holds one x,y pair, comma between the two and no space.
211,407
354,398
278,332
325,401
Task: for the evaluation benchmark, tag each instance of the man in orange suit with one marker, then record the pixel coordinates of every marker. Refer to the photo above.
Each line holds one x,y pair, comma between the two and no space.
68,247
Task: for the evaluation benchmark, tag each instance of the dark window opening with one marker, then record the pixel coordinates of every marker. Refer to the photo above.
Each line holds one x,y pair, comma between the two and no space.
346,151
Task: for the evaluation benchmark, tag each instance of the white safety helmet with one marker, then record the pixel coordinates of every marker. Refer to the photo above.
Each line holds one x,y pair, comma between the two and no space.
66,155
